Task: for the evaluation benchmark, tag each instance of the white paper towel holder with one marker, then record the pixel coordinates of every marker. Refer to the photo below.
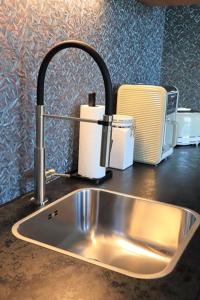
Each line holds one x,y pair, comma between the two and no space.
83,172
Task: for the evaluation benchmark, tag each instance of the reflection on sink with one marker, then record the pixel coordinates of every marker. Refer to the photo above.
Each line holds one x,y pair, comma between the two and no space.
134,236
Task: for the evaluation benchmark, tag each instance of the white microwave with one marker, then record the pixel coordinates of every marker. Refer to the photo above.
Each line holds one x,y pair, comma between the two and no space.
154,111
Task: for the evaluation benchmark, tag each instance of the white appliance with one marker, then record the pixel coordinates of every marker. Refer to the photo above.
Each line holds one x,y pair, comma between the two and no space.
188,127
154,111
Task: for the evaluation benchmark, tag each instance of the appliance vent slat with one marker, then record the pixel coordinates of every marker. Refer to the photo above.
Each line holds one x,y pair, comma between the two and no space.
147,105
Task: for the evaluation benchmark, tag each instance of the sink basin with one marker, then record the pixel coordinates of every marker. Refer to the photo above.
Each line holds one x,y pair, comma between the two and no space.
134,236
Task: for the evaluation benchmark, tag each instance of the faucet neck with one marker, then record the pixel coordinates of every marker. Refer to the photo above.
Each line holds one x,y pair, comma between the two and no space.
93,53
106,131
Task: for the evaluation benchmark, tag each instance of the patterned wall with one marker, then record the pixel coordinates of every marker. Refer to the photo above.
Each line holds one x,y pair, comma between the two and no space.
181,54
127,35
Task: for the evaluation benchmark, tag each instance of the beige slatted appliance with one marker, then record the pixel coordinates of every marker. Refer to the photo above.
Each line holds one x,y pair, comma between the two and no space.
155,118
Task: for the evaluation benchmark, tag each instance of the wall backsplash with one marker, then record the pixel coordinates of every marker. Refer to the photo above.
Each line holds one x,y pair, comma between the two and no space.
128,36
181,55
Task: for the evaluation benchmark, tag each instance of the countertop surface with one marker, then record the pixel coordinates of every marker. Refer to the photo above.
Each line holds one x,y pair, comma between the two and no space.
28,271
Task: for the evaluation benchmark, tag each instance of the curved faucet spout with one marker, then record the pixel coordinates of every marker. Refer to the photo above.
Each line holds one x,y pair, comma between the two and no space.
107,119
94,54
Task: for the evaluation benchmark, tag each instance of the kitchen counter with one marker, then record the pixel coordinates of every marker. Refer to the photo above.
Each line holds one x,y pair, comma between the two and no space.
28,271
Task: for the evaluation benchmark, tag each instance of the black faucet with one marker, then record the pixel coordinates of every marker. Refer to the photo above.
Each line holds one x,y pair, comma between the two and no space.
107,119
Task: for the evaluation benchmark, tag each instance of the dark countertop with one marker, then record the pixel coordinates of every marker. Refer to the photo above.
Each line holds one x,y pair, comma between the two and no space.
30,272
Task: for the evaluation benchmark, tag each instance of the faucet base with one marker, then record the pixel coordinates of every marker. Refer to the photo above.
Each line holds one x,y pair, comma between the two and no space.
37,203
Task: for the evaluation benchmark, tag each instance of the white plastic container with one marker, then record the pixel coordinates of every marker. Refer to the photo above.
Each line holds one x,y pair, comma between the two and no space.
122,150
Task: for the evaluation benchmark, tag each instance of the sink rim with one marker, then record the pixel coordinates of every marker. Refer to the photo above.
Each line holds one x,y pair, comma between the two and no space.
168,269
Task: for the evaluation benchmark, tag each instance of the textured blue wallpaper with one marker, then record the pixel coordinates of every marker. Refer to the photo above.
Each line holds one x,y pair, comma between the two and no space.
128,36
181,53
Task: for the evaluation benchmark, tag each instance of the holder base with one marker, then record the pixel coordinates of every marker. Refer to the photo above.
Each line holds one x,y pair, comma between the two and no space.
93,180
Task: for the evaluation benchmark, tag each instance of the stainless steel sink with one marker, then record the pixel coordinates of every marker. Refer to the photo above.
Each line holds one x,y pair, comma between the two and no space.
134,236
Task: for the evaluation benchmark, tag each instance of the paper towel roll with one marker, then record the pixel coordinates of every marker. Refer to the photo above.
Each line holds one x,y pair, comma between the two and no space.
90,142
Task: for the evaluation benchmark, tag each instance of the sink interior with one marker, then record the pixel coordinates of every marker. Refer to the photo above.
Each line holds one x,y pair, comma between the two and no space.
134,236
